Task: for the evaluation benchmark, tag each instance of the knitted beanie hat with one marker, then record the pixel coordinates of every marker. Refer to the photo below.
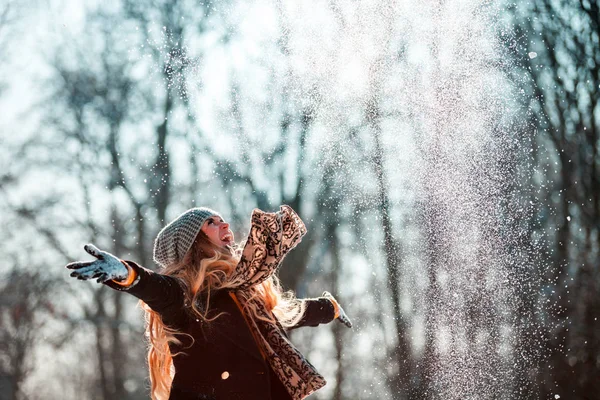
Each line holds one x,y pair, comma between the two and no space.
175,239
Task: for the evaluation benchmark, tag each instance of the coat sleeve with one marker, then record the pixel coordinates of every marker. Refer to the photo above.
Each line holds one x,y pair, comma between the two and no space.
317,311
163,294
271,237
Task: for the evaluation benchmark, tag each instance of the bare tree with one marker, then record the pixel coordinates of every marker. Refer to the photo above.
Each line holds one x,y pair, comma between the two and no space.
265,170
563,66
25,308
92,105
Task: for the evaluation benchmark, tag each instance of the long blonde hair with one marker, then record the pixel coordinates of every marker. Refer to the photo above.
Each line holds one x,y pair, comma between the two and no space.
205,269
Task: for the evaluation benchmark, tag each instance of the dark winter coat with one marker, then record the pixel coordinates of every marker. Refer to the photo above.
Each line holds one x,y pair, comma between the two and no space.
223,361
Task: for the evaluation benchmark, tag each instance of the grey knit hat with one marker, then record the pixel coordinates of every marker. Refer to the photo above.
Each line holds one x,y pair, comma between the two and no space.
175,239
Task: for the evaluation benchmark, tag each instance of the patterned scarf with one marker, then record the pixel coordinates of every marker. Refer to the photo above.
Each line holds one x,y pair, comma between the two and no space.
271,237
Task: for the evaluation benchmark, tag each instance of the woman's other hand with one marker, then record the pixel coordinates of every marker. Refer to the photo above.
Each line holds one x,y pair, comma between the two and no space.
105,267
340,314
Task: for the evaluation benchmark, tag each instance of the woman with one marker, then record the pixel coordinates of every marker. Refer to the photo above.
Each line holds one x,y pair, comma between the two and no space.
216,316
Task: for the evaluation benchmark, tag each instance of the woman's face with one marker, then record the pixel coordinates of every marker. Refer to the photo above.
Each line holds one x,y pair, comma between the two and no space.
218,231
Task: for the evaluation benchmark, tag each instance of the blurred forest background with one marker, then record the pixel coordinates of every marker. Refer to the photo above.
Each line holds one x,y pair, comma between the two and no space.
444,155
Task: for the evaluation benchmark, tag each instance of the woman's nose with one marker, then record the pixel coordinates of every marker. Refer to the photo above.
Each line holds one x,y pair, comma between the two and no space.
224,225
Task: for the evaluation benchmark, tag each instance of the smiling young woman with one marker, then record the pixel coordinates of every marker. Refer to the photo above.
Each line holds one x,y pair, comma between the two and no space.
218,231
216,315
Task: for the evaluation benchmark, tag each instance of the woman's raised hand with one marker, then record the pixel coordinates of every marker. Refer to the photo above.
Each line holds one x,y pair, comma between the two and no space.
104,268
342,317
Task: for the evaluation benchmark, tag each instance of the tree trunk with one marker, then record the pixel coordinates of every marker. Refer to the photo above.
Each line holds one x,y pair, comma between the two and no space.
162,169
98,320
118,355
400,379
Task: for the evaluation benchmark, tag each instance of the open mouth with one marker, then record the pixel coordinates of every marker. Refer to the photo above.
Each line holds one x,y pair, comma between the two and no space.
227,238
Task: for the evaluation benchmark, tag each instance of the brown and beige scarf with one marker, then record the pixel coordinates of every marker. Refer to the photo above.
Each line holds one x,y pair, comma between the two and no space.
271,237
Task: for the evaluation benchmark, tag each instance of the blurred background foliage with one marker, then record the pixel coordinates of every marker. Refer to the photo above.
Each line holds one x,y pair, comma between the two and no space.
118,116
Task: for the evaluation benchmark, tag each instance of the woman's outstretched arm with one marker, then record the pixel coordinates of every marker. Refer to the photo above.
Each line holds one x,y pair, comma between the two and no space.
161,293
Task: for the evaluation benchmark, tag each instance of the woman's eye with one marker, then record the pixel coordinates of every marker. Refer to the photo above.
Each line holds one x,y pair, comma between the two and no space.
210,221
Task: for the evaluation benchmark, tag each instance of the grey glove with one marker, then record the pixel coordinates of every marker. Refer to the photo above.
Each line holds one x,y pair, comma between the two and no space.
105,268
342,317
